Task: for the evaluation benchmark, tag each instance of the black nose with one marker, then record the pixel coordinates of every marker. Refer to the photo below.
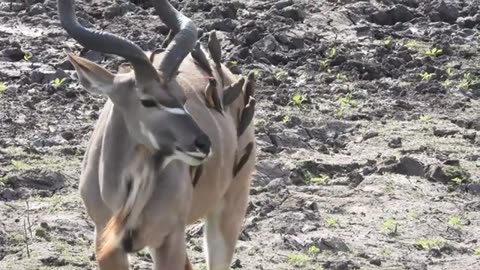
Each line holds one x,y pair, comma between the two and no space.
203,143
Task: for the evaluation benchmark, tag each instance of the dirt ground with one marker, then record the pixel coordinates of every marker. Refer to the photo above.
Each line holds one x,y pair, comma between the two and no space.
368,128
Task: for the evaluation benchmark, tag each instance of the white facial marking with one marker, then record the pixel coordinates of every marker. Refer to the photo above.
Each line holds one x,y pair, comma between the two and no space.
149,135
186,158
173,110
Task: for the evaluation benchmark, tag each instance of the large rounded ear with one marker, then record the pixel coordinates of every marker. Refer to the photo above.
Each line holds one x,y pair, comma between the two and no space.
93,77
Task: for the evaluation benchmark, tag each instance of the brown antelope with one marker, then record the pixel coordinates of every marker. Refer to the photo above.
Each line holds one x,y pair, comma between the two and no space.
174,144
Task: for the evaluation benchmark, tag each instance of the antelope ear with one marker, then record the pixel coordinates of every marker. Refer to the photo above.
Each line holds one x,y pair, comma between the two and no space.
93,77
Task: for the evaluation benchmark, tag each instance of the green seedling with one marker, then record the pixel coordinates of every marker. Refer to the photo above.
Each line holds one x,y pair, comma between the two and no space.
279,73
3,87
476,251
468,80
411,44
427,76
390,227
341,77
387,250
457,180
58,81
446,83
388,41
347,100
429,244
27,57
324,64
449,72
257,72
332,222
455,221
321,180
19,164
298,99
425,118
313,250
332,53
411,214
434,52
286,119
298,259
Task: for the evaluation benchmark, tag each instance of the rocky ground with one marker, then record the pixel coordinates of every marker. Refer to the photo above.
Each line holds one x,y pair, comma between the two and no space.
367,125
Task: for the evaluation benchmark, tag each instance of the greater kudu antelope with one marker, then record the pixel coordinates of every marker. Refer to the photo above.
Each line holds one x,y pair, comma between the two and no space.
174,144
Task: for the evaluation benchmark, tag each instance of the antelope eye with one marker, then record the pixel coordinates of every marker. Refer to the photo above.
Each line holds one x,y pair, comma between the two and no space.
148,103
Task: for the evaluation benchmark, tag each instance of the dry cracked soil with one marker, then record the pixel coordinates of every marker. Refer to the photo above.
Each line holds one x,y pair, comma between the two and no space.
367,125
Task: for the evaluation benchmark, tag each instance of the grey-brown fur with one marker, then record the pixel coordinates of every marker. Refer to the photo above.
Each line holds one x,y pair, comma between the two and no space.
164,110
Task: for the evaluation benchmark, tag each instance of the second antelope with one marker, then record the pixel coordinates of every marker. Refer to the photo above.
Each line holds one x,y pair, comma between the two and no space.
174,144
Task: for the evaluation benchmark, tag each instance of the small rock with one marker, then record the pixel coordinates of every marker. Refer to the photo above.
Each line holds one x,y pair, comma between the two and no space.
93,56
67,135
436,173
447,12
113,11
275,185
470,135
410,167
283,4
468,22
332,244
36,9
376,262
441,132
293,12
225,25
370,134
14,54
395,142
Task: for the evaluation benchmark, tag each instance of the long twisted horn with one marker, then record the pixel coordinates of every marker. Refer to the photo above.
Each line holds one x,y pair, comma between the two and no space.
105,42
185,37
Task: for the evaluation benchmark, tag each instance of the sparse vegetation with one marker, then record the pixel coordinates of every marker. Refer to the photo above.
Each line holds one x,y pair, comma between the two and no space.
58,81
455,221
298,99
411,44
298,259
390,227
3,87
425,118
332,222
428,244
434,52
427,76
27,57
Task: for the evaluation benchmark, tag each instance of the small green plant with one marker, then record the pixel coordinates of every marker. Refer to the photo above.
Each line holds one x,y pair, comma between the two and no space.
434,52
347,100
426,76
3,87
324,64
476,251
19,164
411,44
449,72
298,259
257,72
457,180
341,77
320,180
390,227
425,118
411,214
27,57
332,222
388,41
58,81
446,83
429,244
298,99
286,119
279,73
387,250
313,250
468,80
455,221
332,53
